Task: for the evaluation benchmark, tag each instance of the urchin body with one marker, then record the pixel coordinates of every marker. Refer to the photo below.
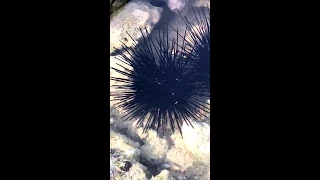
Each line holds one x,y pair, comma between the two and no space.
160,90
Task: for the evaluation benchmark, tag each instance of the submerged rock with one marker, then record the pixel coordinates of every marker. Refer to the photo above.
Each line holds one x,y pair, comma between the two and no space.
131,17
154,150
197,140
162,176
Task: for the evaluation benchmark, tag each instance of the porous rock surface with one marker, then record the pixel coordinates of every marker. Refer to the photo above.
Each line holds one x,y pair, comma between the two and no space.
131,17
161,158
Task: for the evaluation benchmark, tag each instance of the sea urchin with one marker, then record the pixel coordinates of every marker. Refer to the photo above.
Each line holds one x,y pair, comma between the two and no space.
159,89
197,42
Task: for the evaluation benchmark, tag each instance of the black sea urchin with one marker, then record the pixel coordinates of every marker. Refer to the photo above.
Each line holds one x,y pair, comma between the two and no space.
197,42
159,88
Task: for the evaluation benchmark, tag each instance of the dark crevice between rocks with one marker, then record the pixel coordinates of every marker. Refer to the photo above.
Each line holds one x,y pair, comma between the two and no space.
153,168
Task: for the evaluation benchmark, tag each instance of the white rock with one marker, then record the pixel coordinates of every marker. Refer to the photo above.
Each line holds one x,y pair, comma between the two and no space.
201,3
174,5
154,148
121,142
197,140
163,175
133,15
